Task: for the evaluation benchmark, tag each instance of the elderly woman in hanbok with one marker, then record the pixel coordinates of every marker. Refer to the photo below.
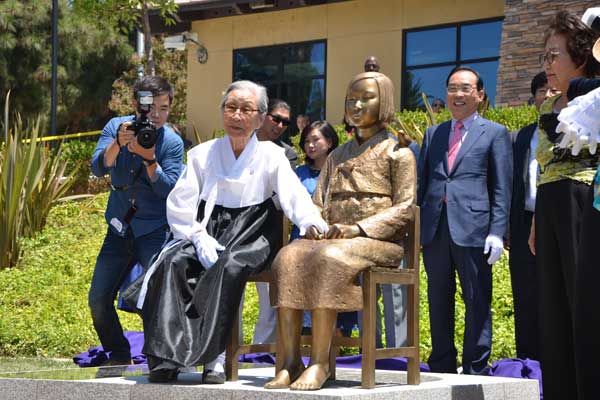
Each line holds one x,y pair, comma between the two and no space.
222,213
366,191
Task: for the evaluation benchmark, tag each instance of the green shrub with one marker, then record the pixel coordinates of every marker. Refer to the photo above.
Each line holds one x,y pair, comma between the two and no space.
414,123
77,155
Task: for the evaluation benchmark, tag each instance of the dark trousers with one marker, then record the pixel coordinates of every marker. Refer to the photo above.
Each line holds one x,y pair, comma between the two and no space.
112,265
442,257
587,304
558,221
523,276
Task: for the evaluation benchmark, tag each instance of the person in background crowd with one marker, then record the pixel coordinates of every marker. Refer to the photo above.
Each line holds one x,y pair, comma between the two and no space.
302,121
276,123
317,140
438,105
465,182
521,260
371,64
141,179
563,191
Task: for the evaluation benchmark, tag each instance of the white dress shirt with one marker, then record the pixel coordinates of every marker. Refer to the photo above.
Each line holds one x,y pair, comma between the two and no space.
532,174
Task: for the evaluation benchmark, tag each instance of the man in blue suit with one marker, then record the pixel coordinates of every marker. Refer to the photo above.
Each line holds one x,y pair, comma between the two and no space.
464,191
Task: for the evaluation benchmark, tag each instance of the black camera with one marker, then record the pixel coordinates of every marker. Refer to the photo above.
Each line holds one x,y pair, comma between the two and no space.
145,130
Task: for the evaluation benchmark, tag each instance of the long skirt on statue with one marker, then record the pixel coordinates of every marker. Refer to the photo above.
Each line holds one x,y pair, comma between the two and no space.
324,273
188,310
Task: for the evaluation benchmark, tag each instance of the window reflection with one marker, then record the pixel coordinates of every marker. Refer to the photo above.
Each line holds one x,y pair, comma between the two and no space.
431,81
480,40
430,46
431,53
293,72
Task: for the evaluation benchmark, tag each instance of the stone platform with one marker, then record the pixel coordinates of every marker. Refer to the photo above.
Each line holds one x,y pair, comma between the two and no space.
88,383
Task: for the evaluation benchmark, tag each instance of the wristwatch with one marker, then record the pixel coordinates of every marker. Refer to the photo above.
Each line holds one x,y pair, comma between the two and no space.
148,163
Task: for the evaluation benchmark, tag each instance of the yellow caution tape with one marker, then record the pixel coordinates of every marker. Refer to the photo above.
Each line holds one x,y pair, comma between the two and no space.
61,137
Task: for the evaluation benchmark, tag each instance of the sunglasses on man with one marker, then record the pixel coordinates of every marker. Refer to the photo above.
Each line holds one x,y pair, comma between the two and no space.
278,120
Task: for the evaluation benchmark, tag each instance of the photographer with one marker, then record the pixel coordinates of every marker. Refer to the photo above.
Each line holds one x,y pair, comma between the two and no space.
143,157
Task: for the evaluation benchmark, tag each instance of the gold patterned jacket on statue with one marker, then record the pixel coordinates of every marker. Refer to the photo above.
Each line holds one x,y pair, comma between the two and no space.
372,185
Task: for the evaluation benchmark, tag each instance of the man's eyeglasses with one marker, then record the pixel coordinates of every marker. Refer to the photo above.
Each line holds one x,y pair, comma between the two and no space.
278,120
466,88
549,57
231,109
437,105
546,91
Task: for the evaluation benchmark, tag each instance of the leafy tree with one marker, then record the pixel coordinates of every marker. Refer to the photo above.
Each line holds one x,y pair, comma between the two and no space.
89,60
125,15
171,65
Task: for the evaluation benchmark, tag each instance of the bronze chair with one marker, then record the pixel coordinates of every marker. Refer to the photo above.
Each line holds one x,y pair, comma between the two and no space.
407,276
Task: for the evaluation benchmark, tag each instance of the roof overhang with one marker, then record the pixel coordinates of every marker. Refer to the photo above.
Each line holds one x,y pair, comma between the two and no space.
190,11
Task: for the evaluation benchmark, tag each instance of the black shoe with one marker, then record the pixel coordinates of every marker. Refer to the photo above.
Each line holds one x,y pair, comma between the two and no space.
163,375
210,377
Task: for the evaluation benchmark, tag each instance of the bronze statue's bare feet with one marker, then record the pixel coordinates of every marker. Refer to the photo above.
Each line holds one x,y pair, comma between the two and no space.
312,378
285,377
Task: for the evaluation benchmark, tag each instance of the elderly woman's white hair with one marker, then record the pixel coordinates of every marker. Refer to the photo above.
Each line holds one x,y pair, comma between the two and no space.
261,93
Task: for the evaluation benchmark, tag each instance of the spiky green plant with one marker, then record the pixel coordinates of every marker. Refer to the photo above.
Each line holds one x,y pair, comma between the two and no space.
51,187
31,181
18,179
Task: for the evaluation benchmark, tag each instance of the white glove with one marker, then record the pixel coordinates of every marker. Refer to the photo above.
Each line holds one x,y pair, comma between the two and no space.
493,245
319,223
580,122
206,248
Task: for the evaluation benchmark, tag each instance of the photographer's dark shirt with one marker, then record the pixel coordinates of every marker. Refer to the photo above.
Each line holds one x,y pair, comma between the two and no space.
129,176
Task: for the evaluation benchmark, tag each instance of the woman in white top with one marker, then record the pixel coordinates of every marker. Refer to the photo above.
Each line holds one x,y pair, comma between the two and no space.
222,212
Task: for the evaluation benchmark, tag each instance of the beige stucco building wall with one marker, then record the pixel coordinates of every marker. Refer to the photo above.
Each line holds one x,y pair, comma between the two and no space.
353,30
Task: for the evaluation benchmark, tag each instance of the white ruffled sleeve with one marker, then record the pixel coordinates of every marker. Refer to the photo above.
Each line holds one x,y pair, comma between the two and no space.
183,201
294,198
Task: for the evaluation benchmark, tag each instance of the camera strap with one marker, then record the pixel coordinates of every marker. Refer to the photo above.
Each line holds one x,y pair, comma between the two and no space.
131,211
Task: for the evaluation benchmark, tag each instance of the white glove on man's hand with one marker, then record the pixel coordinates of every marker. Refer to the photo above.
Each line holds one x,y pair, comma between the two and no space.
206,248
580,122
493,245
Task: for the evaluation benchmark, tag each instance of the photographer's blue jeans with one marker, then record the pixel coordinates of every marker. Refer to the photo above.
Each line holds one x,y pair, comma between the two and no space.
116,257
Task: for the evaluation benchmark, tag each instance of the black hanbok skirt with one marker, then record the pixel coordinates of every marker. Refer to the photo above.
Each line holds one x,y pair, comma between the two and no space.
188,310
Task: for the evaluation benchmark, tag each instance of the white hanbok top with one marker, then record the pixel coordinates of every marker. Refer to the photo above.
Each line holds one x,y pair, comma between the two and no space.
214,175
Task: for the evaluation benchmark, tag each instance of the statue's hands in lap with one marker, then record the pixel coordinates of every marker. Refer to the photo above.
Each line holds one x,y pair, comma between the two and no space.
340,231
313,233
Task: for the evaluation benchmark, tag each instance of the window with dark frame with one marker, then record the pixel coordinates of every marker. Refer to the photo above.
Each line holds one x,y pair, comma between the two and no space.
430,53
294,72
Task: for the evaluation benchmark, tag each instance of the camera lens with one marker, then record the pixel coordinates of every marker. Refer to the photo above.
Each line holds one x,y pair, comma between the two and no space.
147,136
